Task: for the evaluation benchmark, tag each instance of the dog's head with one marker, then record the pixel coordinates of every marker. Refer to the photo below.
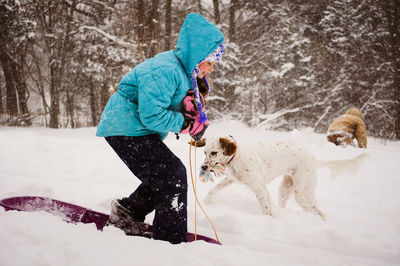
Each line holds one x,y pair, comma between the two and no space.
218,151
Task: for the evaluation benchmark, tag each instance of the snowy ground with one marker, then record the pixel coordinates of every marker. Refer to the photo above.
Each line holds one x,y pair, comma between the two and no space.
362,226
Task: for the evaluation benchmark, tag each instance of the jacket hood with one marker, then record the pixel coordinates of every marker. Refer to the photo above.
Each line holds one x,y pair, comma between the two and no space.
197,39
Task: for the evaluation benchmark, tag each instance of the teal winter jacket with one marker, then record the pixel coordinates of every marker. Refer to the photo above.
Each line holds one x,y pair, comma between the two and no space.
149,97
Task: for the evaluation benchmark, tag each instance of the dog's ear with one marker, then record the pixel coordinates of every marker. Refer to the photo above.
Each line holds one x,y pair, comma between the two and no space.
200,143
228,146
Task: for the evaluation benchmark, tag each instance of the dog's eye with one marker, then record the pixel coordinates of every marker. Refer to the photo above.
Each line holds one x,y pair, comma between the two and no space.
213,153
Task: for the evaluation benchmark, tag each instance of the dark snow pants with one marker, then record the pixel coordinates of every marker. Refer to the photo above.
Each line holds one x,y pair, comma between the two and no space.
163,187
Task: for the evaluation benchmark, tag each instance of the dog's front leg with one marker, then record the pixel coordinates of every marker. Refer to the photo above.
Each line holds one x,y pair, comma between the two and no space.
211,194
263,198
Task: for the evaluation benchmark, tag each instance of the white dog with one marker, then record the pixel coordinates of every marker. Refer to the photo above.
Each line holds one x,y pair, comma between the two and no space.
256,163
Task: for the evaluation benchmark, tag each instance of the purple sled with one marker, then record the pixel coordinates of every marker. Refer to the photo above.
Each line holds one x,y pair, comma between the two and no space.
71,213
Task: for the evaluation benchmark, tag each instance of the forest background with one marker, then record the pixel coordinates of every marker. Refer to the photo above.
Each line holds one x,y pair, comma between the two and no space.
287,63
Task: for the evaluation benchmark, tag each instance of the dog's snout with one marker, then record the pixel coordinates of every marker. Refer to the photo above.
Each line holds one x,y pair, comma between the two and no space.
204,167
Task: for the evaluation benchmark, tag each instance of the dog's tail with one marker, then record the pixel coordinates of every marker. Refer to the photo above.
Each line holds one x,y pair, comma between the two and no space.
344,167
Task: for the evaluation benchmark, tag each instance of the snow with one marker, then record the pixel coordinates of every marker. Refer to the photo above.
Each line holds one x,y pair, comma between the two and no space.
284,69
362,226
175,205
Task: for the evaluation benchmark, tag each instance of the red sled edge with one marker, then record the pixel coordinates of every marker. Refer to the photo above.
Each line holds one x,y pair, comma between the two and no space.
71,213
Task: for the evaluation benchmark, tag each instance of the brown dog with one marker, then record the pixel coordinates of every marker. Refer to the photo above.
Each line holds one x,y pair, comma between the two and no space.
348,127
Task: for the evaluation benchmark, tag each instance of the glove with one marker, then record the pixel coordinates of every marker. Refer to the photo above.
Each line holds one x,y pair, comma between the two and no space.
189,104
193,126
186,124
191,115
198,131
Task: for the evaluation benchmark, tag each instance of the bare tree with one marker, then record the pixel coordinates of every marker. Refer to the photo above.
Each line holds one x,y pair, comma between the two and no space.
7,18
56,25
391,9
14,42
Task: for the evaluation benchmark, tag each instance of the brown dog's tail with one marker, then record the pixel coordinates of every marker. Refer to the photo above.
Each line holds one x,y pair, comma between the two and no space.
344,167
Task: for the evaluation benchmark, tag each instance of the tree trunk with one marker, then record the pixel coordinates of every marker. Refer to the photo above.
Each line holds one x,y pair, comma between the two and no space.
395,41
232,12
39,79
104,96
21,90
11,93
93,103
153,22
392,11
70,108
216,11
58,58
54,97
140,26
1,102
167,44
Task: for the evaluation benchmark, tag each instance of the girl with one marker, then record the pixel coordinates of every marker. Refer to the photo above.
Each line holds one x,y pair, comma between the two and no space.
149,103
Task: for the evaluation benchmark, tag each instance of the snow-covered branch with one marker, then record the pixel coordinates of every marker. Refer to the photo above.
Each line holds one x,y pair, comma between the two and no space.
108,36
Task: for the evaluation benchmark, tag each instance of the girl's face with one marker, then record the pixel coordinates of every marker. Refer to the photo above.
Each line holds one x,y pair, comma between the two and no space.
205,68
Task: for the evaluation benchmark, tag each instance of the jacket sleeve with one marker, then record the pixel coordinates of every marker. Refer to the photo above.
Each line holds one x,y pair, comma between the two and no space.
156,90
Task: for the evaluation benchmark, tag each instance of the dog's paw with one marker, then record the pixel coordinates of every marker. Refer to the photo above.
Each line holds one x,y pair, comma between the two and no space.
267,211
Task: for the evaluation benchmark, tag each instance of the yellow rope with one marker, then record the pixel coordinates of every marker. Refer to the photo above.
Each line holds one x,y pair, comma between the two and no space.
194,189
195,194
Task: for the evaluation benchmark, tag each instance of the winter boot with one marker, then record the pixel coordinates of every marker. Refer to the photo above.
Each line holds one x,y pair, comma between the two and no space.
119,214
122,218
